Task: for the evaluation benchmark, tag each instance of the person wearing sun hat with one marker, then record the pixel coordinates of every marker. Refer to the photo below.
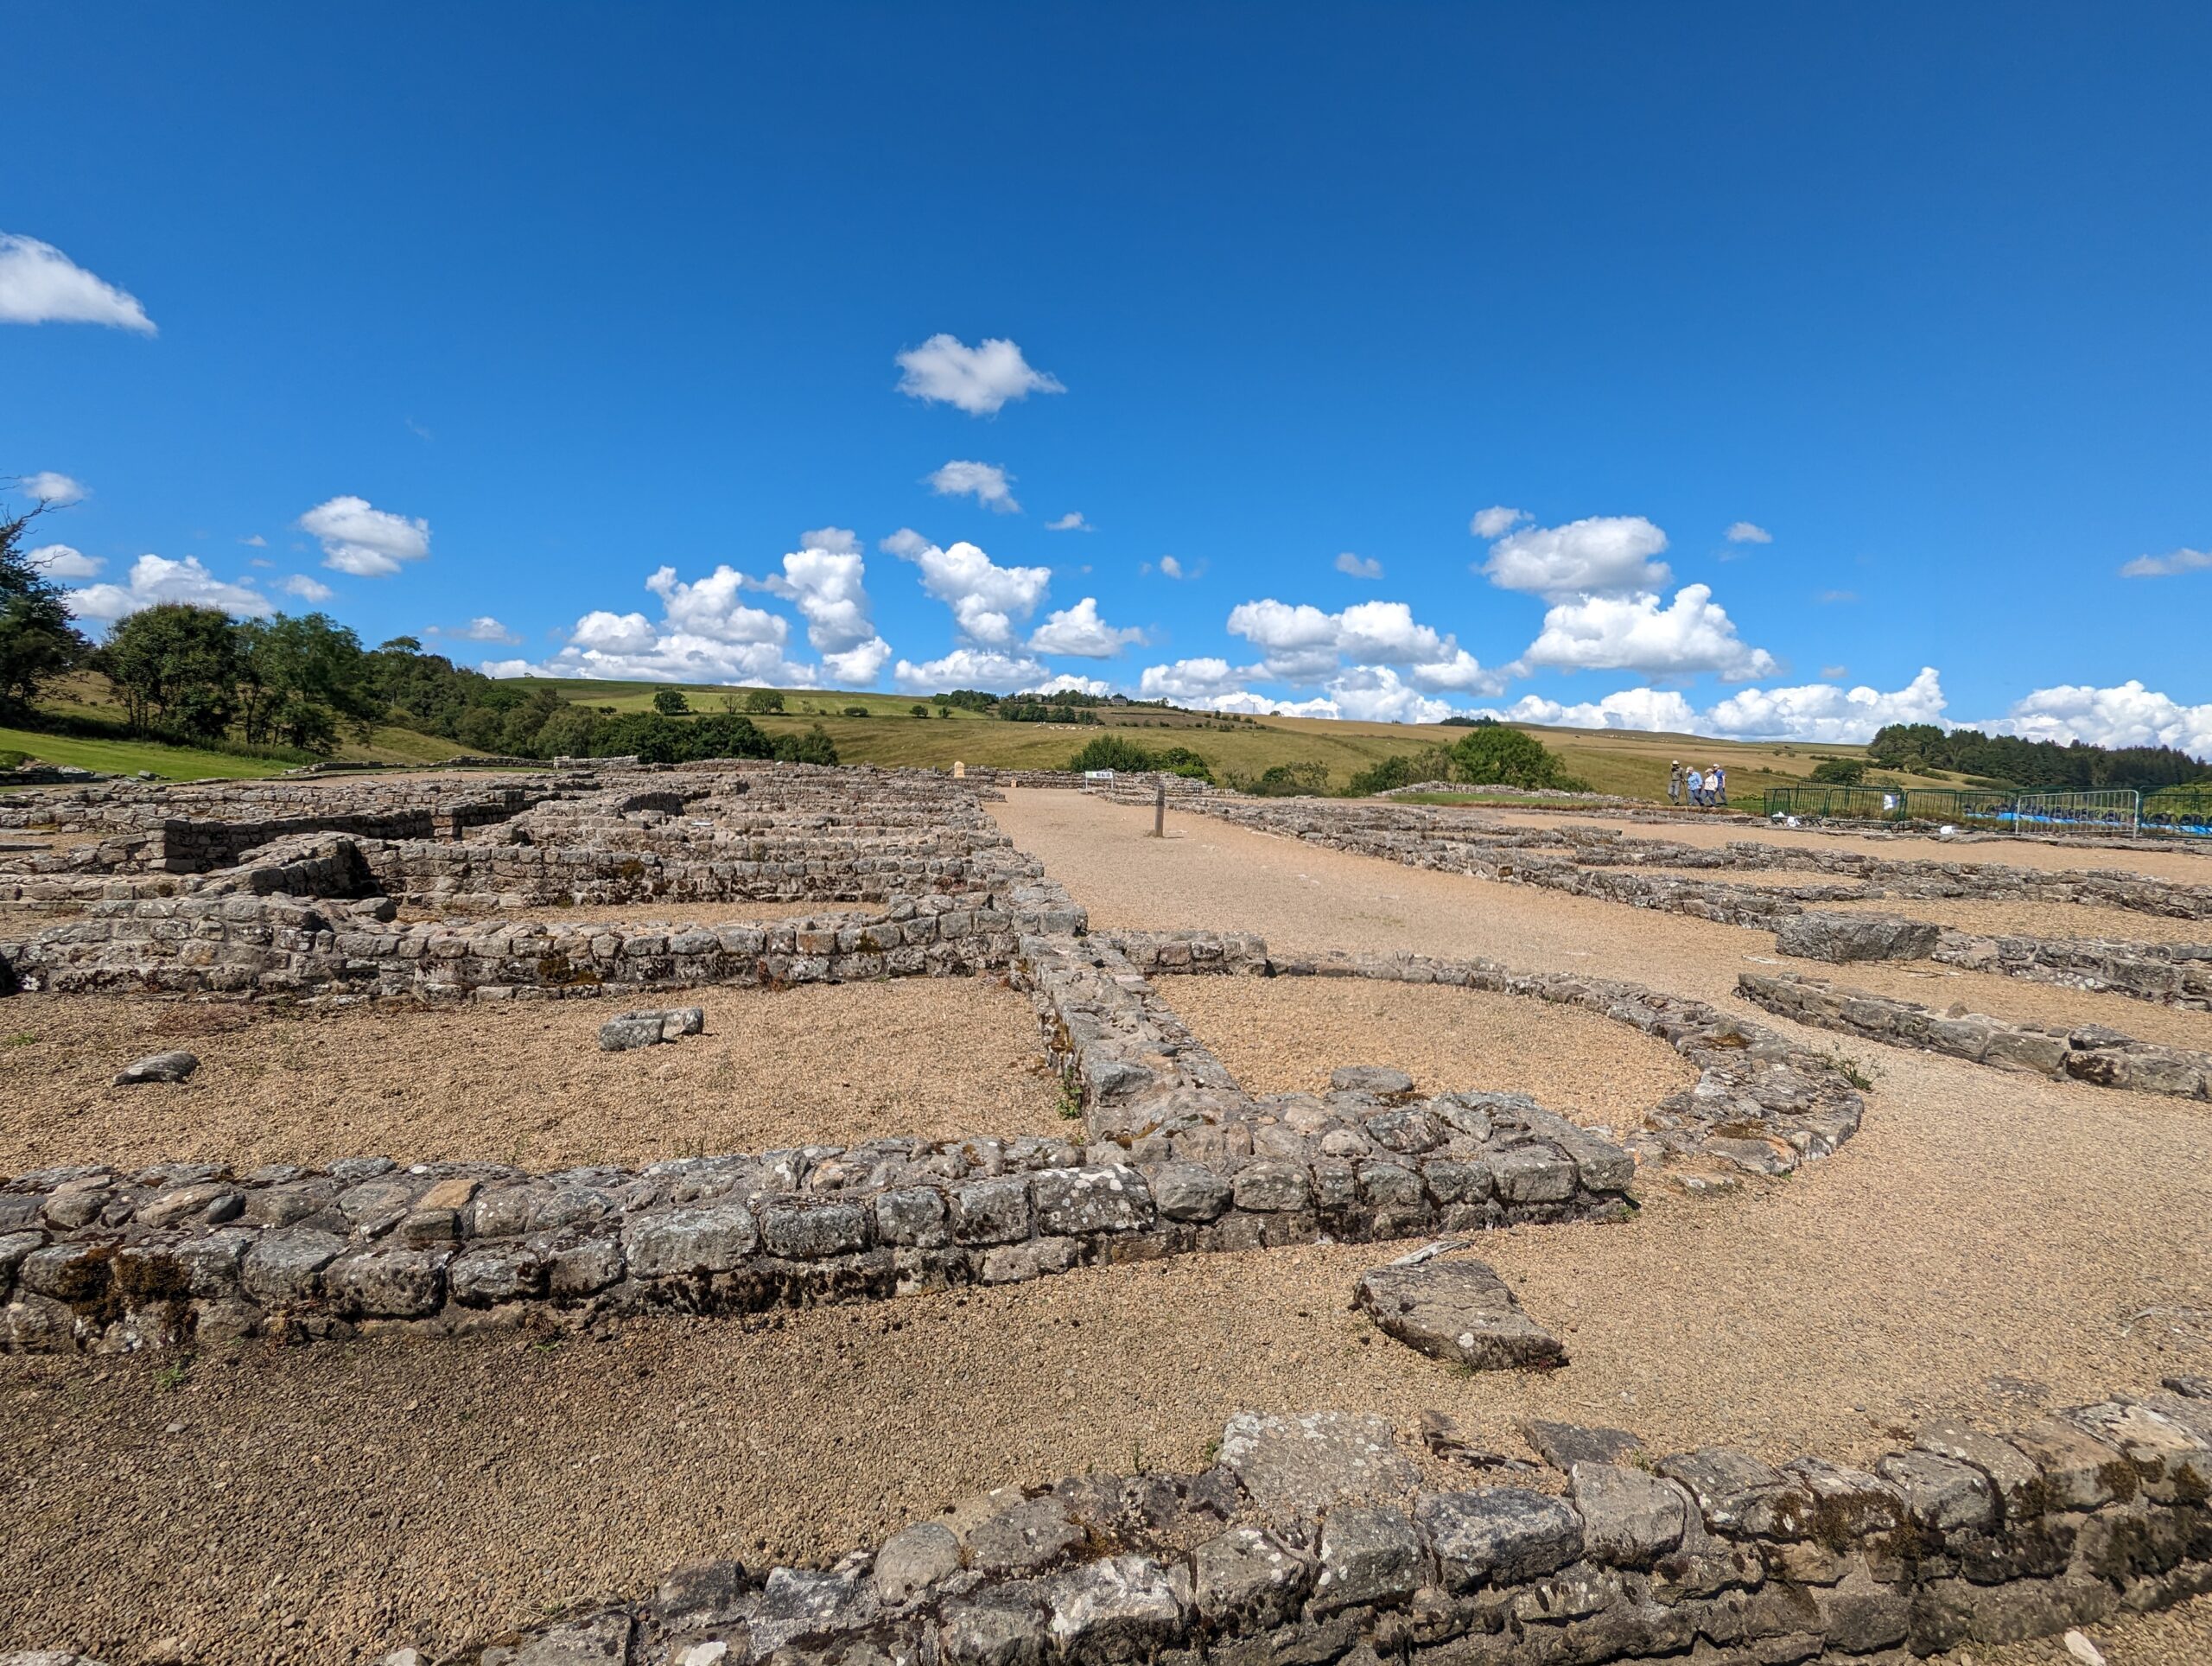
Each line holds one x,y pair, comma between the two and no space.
1674,782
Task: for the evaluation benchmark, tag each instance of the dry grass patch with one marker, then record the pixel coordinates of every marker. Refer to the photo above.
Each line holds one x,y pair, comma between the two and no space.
523,1083
1286,1034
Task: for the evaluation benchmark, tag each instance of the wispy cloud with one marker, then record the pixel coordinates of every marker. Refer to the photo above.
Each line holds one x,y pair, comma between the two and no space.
1358,566
1071,521
2181,560
1749,532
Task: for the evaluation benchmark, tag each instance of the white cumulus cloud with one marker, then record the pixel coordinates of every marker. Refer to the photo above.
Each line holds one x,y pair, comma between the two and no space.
2166,566
985,482
987,600
1749,532
306,589
157,579
1354,566
1495,521
1302,644
1067,683
1821,711
825,579
60,560
978,379
1079,632
2128,715
1647,710
971,668
39,284
1634,633
365,542
48,486
1191,682
1602,555
1071,521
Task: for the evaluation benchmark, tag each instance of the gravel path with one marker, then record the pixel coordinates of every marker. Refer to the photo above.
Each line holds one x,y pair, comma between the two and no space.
1989,1243
523,1083
2050,920
1286,1034
2191,864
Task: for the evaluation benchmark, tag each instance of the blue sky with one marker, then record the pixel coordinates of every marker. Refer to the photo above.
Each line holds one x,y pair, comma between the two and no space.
492,313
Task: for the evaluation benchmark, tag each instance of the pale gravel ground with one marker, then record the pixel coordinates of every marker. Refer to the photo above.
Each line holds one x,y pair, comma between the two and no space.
1981,1244
520,1082
2191,864
2048,919
1286,1034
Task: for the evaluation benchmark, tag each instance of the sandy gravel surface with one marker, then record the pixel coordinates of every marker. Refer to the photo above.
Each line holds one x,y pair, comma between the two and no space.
2179,1637
523,1083
1208,874
1286,1034
1990,1244
2048,919
2190,865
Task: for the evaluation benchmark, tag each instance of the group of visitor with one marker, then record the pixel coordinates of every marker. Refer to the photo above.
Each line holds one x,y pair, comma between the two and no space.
1707,789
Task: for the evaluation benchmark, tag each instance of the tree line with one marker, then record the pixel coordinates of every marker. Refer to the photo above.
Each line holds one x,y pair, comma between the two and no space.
2004,760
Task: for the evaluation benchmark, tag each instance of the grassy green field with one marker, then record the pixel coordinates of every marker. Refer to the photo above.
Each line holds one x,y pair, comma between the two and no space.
87,696
1611,760
128,757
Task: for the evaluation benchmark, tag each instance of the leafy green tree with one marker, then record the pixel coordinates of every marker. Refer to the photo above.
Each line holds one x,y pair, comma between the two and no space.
652,737
1181,761
762,700
568,733
920,709
37,640
670,703
1494,755
1838,771
297,677
814,747
726,734
176,666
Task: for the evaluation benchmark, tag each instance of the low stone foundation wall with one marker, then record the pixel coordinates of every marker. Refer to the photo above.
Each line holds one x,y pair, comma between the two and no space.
1315,1538
2091,1053
265,946
2173,974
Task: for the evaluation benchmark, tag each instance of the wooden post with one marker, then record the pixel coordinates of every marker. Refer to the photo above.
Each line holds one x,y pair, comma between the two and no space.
1159,810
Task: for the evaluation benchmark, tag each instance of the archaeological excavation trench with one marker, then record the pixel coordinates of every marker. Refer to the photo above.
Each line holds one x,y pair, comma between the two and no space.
1015,1147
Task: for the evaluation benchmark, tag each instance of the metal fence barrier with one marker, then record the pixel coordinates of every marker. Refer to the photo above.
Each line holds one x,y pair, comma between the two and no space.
2172,811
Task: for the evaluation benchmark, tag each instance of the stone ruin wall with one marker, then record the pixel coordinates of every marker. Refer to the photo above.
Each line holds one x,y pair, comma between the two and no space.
2088,1052
1315,1538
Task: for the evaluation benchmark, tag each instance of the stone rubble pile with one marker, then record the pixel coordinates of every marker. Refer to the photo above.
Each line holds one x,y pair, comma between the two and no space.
2089,1052
629,1031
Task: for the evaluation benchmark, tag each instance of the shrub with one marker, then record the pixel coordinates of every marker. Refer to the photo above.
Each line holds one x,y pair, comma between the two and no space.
1838,771
1181,761
1285,780
919,710
856,711
1430,764
1112,752
1492,754
814,747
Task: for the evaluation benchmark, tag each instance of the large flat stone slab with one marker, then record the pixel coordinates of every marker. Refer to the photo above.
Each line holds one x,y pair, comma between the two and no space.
1457,1310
